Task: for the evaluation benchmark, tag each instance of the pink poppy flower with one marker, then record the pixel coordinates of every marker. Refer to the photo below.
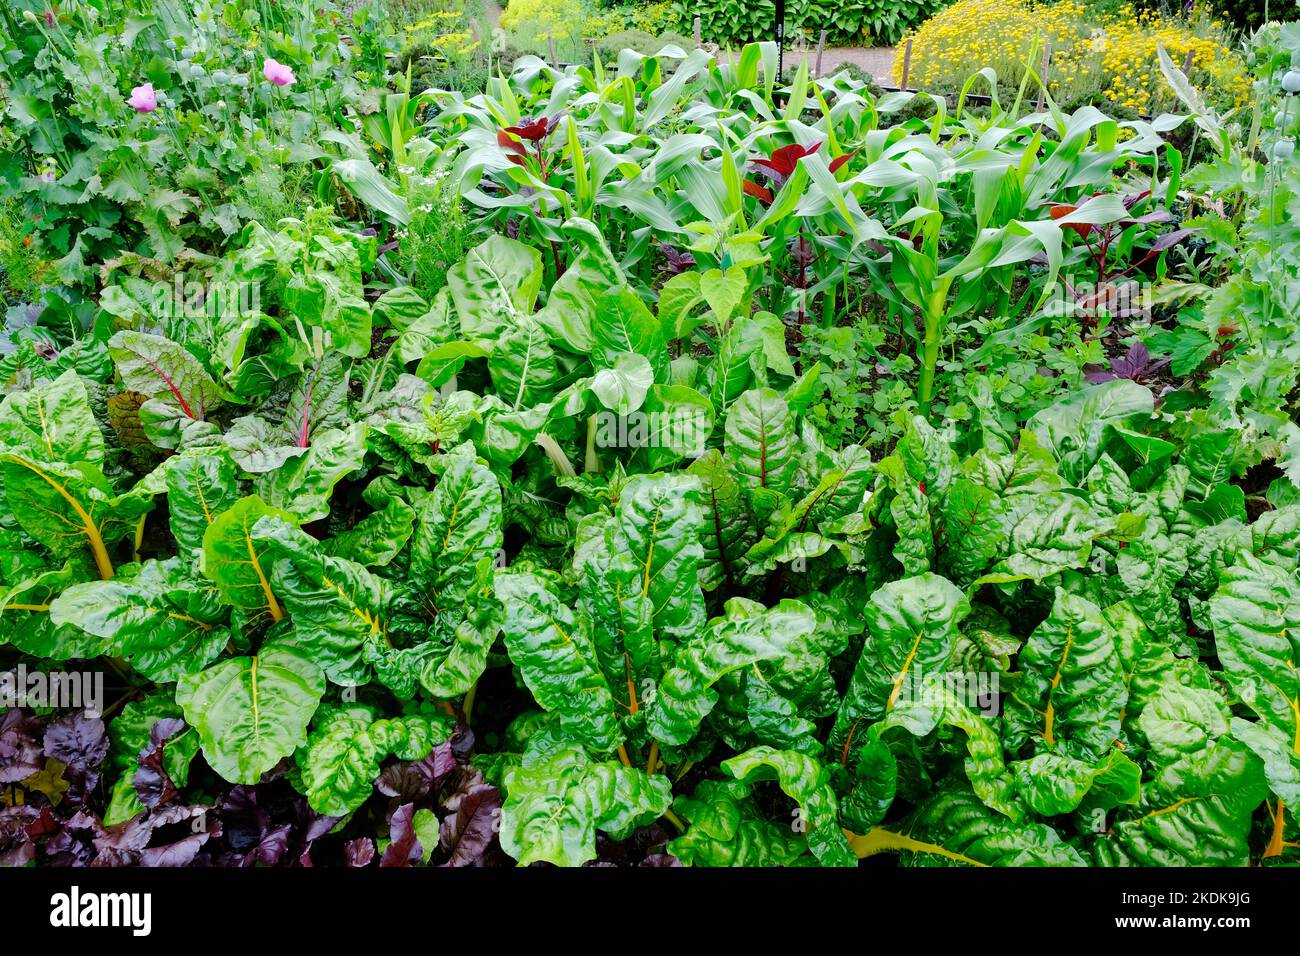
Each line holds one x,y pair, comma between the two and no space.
277,73
143,99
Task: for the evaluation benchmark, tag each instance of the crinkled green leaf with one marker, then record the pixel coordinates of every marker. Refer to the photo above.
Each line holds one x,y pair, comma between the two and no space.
554,806
1071,691
911,628
725,829
807,782
747,634
341,759
550,645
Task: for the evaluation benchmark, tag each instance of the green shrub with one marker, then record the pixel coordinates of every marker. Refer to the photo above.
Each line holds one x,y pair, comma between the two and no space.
640,41
730,22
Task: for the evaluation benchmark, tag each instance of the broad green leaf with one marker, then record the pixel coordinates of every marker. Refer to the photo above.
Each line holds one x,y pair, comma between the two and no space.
1195,812
252,712
166,623
164,371
624,324
725,829
927,708
1071,690
622,387
746,635
467,658
239,566
335,606
52,422
955,828
494,287
911,629
679,423
658,524
377,538
68,507
1053,784
727,533
258,446
458,525
1074,429
198,489
572,306
760,442
303,486
1256,619
523,365
25,620
610,594
1178,720
1049,532
723,292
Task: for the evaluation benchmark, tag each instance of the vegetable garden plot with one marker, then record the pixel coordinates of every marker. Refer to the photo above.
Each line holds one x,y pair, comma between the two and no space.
518,526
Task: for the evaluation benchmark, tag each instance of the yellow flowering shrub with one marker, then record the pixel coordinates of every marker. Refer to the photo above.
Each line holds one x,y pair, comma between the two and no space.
651,17
973,34
564,18
1106,59
573,23
596,25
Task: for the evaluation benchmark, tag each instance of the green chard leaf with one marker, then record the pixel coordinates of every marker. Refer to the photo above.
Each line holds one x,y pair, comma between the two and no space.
252,712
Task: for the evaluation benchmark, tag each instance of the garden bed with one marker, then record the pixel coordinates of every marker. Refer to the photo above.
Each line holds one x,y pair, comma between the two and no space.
655,461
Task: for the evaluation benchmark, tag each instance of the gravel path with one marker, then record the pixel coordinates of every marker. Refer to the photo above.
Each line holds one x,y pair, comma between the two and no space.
876,60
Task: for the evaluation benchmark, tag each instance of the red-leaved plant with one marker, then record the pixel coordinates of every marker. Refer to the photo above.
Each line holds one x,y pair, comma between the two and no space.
516,140
780,166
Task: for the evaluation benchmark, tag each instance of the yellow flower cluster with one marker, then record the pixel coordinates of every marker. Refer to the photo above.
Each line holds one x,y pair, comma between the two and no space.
973,34
456,45
1102,59
426,30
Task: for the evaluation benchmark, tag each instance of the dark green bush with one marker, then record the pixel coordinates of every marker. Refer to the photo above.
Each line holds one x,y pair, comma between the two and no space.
856,22
1251,14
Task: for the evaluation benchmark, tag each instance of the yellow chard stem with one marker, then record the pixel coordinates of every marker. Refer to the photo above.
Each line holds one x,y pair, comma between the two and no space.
886,841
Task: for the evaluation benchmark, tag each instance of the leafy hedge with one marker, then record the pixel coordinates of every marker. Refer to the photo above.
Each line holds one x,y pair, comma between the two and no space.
863,22
1251,14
